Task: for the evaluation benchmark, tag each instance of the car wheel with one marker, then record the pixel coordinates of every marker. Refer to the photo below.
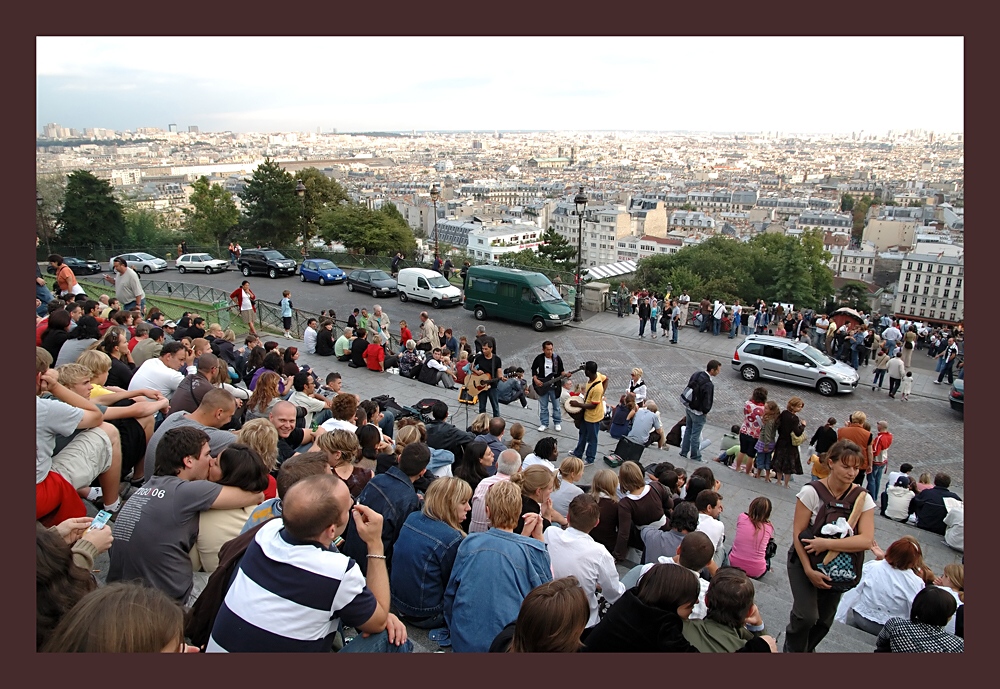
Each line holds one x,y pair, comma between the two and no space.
436,303
322,281
181,269
538,324
480,313
402,296
147,269
246,270
826,387
350,287
302,278
272,273
50,270
750,373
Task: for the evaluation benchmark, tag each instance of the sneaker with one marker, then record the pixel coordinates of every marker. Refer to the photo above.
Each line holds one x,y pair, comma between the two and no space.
937,382
683,455
542,428
588,461
558,426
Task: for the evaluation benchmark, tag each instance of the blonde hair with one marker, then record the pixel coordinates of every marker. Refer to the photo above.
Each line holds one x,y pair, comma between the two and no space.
605,482
571,466
443,499
637,371
481,424
416,433
229,336
262,436
503,500
630,476
796,403
516,441
43,360
533,479
73,374
858,417
463,355
344,442
956,574
924,478
97,362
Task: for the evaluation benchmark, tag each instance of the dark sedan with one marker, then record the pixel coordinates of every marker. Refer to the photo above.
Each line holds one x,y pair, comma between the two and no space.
957,397
79,266
375,282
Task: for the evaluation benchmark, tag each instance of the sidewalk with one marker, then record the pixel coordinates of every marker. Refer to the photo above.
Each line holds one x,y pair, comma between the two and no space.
722,348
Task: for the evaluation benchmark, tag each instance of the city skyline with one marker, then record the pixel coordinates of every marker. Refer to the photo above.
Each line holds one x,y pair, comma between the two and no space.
514,83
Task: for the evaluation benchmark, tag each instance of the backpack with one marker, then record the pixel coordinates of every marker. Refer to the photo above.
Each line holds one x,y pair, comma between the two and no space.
845,568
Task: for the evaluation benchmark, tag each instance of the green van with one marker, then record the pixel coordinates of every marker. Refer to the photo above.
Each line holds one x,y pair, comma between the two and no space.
517,295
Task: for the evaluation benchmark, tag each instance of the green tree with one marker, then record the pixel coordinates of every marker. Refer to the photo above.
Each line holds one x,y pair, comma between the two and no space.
321,193
145,228
860,214
272,213
854,294
51,188
215,215
846,202
557,250
359,228
90,215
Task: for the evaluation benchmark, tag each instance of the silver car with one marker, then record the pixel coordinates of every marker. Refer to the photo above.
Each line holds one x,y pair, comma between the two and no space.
777,358
142,262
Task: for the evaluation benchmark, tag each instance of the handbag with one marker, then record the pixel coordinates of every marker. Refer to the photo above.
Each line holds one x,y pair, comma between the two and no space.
770,549
798,439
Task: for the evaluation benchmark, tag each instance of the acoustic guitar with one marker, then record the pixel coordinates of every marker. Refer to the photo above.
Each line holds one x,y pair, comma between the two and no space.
552,379
475,384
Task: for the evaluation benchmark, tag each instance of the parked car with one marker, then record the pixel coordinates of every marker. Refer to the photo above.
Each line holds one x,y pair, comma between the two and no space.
143,262
322,271
376,282
203,262
957,397
267,261
766,356
421,284
79,266
521,296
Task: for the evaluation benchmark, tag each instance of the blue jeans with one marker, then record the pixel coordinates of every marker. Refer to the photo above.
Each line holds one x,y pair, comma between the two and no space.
376,643
652,325
642,326
491,395
874,480
704,323
388,422
673,331
588,441
879,377
692,438
854,359
735,329
44,295
549,396
131,305
716,325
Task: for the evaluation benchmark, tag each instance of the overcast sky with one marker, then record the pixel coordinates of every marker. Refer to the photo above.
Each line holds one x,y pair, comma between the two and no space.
751,84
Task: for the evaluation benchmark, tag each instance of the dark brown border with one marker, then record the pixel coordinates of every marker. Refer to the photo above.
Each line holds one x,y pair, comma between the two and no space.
864,86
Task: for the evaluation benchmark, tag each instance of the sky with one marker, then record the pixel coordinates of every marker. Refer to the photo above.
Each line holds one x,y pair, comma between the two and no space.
297,83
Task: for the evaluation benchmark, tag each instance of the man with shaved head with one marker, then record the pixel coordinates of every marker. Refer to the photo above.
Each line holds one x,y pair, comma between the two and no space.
290,438
215,411
293,589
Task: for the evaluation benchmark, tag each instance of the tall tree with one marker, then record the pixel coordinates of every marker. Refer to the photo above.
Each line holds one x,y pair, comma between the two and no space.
359,228
145,227
846,202
854,294
215,215
321,193
91,215
557,250
272,213
51,188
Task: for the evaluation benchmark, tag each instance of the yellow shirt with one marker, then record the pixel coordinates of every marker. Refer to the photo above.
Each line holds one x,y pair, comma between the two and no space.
98,390
818,468
595,396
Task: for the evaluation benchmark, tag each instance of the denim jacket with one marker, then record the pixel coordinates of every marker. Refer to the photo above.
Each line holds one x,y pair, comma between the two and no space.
423,557
493,573
392,495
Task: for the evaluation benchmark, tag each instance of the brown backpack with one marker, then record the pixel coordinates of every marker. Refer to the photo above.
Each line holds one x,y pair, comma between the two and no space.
830,510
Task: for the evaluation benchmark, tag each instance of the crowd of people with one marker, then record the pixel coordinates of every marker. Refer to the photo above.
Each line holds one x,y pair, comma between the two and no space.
255,505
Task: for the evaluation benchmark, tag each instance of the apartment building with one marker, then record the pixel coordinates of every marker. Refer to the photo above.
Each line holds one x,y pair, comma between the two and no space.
490,242
822,220
638,246
602,227
891,232
930,288
691,220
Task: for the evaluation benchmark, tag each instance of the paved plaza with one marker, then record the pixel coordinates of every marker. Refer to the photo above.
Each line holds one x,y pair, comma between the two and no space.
927,433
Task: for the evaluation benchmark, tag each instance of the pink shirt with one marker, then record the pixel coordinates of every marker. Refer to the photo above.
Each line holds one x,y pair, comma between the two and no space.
749,545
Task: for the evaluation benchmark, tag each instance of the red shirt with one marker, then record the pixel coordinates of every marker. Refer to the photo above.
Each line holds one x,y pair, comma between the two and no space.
375,356
404,335
40,329
272,488
132,342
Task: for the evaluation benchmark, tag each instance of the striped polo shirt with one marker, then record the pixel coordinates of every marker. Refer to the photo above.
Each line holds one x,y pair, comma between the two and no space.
288,595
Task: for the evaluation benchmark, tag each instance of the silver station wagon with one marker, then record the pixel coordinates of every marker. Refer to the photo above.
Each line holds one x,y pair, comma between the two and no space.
777,358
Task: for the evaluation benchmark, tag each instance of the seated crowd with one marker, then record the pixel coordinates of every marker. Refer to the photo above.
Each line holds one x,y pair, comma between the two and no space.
257,508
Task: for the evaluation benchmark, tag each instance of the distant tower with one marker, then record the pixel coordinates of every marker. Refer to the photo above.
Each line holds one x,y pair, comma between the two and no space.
193,129
560,152
572,155
172,128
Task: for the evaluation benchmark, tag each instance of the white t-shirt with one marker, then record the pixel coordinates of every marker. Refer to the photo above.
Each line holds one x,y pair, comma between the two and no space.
337,424
808,497
156,375
52,417
309,337
700,610
713,528
245,305
533,459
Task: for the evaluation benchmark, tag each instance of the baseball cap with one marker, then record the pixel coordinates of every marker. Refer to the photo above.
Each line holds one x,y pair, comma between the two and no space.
170,324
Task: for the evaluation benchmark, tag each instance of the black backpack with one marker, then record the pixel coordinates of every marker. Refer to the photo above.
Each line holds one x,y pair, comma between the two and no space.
845,569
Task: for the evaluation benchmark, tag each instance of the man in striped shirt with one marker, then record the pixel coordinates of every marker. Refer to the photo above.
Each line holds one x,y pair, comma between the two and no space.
293,589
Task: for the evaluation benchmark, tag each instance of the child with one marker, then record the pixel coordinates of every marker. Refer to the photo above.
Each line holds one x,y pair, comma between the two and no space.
907,385
818,466
728,456
765,444
753,532
286,312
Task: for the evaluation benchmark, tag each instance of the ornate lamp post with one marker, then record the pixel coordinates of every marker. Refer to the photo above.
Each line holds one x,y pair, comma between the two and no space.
300,190
435,193
581,207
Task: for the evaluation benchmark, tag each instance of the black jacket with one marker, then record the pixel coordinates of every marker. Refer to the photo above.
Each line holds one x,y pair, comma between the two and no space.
631,626
324,342
538,367
644,310
358,348
929,507
442,435
703,391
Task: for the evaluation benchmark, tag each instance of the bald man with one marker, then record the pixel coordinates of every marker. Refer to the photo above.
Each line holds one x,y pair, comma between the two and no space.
291,440
294,590
215,411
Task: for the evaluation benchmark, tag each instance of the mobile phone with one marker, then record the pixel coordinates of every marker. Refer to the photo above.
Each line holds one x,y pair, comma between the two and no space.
100,520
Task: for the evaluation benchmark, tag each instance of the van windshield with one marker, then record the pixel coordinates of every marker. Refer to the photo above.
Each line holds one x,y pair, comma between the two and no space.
547,293
438,281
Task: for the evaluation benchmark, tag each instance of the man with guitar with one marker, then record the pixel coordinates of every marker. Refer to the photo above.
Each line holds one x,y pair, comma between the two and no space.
487,371
547,374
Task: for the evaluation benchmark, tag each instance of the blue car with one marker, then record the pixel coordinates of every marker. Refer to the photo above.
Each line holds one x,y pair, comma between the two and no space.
322,271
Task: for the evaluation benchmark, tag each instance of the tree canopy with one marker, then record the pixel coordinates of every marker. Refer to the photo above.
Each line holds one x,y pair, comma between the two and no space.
773,267
360,228
321,193
215,215
272,213
90,215
557,249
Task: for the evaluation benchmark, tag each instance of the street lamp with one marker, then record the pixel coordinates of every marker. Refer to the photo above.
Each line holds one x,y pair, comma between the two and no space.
581,206
435,193
300,189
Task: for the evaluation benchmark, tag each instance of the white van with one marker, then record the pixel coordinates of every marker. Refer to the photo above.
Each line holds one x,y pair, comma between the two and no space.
421,284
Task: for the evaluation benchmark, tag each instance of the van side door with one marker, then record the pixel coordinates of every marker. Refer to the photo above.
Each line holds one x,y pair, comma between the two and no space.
422,290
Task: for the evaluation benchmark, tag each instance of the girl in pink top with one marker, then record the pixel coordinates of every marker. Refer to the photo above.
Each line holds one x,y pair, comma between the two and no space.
753,531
